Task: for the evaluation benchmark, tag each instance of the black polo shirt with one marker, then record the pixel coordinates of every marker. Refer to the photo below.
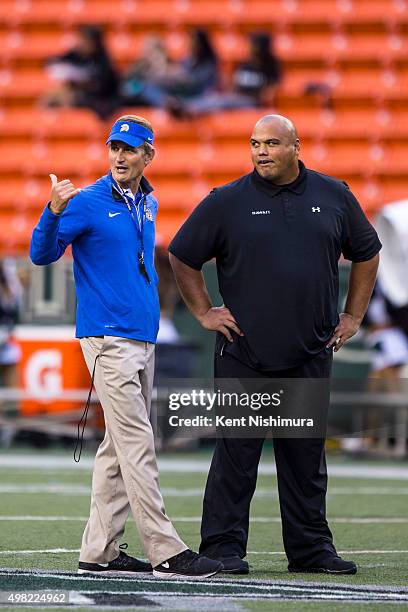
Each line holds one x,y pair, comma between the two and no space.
277,249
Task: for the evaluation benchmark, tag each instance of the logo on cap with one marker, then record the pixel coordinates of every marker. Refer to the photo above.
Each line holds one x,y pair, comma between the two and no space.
124,127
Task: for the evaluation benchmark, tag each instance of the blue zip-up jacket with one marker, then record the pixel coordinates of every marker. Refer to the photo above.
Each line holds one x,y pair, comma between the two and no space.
114,298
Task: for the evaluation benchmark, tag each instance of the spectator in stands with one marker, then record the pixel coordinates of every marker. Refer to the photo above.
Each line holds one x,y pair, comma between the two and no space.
10,295
254,81
199,70
156,81
142,83
86,75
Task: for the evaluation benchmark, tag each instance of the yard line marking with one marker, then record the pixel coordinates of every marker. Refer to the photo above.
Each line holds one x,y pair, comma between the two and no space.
200,466
197,519
367,491
55,551
343,552
261,492
217,580
43,518
345,520
220,587
251,552
62,489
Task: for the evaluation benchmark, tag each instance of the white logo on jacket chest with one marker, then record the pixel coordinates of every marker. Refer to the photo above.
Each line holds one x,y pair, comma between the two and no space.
111,214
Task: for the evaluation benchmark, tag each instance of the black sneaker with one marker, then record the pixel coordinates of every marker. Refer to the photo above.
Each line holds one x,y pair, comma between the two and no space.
332,565
121,565
233,565
187,564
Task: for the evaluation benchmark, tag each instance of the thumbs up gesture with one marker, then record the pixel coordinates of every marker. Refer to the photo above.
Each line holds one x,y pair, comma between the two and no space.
61,193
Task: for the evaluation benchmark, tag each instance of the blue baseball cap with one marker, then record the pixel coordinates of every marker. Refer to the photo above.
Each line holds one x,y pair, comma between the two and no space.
131,133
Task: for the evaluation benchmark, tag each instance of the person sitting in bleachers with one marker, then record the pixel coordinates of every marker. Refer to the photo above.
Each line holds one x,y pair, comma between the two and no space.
155,80
254,81
86,75
142,84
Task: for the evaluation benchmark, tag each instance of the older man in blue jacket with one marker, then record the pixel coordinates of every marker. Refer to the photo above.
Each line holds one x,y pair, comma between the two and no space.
110,225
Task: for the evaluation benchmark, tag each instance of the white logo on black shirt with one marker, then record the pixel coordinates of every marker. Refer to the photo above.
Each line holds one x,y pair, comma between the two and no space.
315,209
261,212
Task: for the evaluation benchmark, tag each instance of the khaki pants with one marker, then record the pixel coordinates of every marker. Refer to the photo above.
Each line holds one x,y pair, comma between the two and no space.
125,474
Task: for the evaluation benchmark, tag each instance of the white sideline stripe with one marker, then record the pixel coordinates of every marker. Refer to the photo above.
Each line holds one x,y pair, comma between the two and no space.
218,580
198,466
197,519
43,518
259,589
276,519
250,552
56,551
84,490
367,491
340,552
41,488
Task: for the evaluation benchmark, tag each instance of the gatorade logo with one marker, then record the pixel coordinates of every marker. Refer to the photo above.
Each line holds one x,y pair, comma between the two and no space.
43,374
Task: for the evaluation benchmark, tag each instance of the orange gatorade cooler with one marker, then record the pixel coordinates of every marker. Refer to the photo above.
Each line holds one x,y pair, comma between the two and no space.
52,372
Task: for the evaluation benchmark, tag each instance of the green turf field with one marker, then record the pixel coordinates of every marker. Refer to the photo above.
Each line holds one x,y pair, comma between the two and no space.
44,509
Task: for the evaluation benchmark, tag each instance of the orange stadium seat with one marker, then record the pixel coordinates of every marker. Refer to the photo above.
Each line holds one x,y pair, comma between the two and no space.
179,195
227,126
351,124
394,189
71,12
22,194
27,84
321,47
16,229
61,159
380,48
345,159
165,129
157,14
41,45
18,12
168,222
51,124
379,85
316,13
369,12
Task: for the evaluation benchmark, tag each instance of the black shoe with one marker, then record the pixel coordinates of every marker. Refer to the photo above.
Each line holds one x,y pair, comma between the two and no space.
121,565
233,564
332,565
187,564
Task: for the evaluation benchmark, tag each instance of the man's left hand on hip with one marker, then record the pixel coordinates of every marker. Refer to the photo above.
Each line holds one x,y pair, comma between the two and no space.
346,329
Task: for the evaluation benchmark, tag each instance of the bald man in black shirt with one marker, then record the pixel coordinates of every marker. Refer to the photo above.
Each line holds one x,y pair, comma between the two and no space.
277,235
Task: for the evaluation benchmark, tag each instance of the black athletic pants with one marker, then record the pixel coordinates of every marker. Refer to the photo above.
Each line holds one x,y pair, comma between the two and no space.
302,481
